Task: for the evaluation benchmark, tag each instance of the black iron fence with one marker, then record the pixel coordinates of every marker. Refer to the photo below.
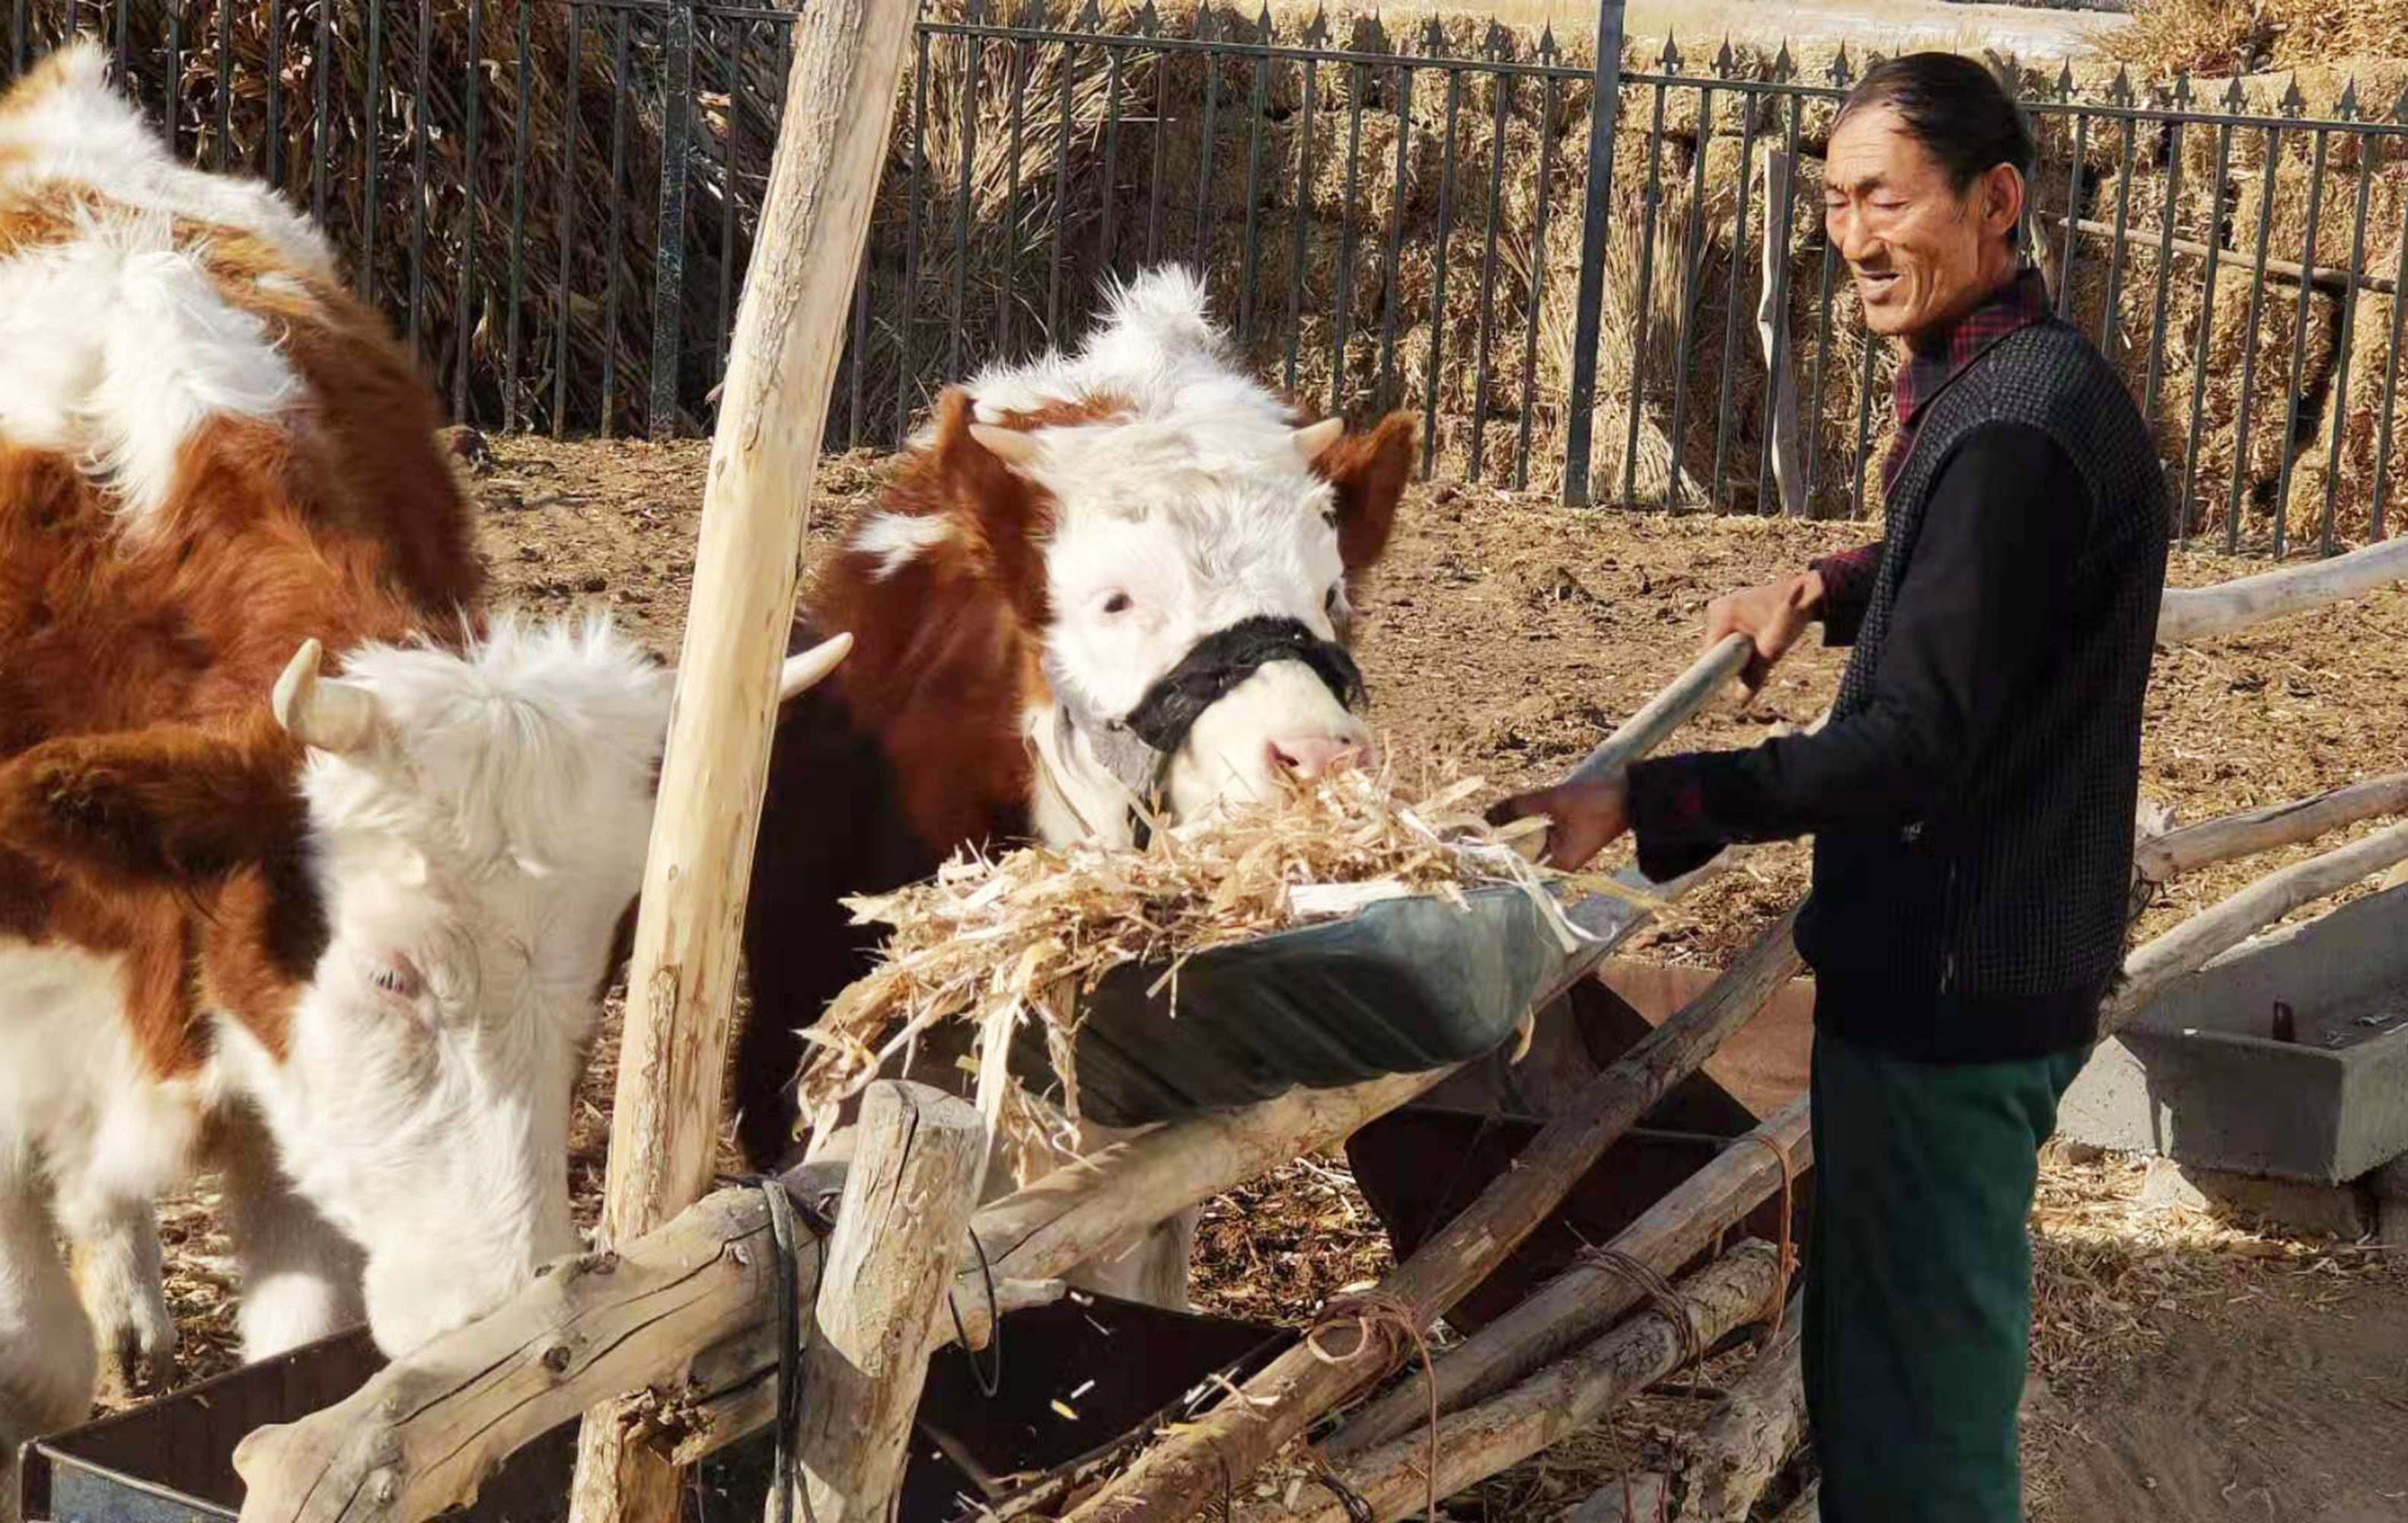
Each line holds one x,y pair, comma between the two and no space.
1621,294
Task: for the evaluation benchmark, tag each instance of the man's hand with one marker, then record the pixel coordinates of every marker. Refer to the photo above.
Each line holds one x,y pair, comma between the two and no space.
1588,816
1772,615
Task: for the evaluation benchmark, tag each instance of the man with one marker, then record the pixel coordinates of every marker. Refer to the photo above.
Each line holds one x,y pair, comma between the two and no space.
1970,798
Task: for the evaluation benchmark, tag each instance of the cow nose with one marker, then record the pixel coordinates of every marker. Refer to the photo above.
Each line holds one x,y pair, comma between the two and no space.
1318,756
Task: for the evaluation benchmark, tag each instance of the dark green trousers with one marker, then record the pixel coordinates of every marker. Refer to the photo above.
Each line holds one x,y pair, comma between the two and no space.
1919,1279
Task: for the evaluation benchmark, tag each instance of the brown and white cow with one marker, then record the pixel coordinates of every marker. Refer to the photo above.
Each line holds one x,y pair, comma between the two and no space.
1120,572
342,936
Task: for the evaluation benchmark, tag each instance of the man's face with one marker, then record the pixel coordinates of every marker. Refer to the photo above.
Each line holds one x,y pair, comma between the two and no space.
1921,253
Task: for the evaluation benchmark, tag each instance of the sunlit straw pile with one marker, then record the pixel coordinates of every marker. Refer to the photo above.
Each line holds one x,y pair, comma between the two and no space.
993,942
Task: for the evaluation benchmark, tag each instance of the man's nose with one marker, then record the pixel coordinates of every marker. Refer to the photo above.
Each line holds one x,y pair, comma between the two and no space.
1848,236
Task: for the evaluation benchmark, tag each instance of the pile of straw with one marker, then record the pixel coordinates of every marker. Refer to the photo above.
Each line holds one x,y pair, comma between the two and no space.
2222,37
992,942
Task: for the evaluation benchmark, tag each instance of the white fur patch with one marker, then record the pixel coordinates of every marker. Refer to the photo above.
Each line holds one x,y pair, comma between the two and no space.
897,538
121,345
80,133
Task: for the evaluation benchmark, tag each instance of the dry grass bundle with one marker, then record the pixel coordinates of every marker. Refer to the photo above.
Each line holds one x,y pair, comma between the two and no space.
1043,169
993,942
2220,37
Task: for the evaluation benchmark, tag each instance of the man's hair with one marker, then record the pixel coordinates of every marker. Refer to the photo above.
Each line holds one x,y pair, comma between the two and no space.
1954,106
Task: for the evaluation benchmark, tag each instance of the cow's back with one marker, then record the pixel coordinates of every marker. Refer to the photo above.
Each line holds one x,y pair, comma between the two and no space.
209,450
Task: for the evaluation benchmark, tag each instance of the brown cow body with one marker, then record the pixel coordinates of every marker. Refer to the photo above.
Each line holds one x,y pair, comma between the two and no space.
346,947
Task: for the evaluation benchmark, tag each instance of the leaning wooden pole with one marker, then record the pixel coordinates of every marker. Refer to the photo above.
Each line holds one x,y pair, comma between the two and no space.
2189,613
2193,944
1750,1437
1587,1298
1190,1469
1393,1481
681,981
2160,858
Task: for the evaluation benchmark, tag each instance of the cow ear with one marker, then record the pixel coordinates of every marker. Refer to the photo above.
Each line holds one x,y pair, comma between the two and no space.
1003,509
1368,472
170,803
979,475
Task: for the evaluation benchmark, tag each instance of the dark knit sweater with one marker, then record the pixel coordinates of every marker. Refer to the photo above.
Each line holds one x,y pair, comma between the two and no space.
1971,796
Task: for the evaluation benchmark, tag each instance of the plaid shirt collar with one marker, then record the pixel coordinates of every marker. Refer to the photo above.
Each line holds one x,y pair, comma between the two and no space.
1937,359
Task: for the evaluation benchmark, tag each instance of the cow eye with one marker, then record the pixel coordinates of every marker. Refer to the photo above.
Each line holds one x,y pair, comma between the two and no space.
397,978
1118,603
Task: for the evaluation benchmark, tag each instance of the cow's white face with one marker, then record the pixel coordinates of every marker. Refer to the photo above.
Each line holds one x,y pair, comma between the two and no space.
1157,543
476,830
1153,495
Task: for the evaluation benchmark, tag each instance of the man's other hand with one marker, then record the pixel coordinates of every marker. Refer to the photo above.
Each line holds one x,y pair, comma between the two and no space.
1772,615
1588,815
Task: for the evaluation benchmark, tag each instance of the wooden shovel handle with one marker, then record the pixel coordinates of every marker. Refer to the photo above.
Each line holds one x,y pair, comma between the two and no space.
1669,709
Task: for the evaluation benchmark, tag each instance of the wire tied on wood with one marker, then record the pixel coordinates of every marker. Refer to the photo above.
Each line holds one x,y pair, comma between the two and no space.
1659,1291
1789,1266
1376,1314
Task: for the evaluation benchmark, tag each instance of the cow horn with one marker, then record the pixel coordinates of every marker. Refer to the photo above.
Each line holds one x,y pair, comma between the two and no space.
1311,440
803,672
1012,446
331,716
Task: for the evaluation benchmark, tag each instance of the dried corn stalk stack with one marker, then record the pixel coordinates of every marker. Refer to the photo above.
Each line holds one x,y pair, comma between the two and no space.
996,941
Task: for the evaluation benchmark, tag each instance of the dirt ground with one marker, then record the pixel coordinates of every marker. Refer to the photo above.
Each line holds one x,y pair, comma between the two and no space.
2188,1367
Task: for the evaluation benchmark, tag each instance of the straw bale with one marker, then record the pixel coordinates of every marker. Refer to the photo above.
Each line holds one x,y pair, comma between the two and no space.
591,305
993,942
2219,37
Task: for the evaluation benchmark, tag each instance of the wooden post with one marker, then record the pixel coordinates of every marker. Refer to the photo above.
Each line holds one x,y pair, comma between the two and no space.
1751,1434
1392,1481
2176,851
1586,1300
2190,946
908,1198
2189,613
764,454
1228,1443
1788,471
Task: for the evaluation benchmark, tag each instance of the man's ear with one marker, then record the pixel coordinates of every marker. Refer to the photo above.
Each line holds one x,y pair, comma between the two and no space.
1999,197
1368,473
166,804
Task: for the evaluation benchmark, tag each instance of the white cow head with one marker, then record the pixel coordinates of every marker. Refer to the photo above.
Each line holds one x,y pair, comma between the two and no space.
405,929
1183,544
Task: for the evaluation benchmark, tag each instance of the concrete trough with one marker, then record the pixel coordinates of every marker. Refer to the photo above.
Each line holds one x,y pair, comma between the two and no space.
2214,1076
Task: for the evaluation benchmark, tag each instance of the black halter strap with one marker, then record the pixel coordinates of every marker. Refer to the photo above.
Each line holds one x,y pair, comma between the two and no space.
1138,747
